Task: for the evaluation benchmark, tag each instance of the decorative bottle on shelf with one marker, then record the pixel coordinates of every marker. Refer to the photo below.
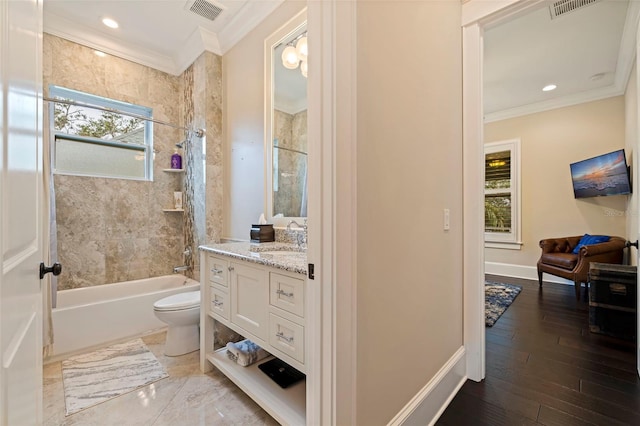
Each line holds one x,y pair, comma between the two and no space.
176,160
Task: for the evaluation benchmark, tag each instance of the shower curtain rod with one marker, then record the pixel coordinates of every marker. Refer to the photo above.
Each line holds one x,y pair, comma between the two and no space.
199,133
290,149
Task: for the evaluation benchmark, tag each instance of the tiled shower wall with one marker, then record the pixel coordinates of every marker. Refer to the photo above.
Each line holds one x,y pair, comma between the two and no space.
291,132
112,230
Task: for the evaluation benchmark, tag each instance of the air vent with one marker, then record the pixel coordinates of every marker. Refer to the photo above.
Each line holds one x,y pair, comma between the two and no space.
563,7
204,8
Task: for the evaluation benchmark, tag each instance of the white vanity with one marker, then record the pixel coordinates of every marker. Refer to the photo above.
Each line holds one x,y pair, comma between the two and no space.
257,290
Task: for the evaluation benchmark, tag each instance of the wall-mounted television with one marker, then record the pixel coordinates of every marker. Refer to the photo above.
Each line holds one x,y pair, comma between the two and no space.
606,174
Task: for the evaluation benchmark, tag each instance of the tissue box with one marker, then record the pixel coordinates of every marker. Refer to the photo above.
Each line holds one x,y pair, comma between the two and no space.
262,233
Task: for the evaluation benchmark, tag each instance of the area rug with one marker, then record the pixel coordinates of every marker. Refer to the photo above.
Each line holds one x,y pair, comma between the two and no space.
96,377
497,298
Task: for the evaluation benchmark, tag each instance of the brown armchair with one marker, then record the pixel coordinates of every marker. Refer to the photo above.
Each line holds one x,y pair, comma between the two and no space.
558,259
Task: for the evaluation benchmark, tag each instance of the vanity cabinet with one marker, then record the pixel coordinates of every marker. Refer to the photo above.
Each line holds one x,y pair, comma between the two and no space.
249,291
265,305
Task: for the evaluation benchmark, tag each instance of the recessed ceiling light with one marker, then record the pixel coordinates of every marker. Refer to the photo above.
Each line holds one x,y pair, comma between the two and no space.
549,87
99,53
110,23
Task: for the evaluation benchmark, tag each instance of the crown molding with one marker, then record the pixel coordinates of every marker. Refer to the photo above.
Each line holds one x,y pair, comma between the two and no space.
290,107
78,33
560,102
201,40
250,15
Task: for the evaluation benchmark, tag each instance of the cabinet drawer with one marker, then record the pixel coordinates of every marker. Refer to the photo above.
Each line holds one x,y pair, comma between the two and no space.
219,302
218,271
287,337
287,293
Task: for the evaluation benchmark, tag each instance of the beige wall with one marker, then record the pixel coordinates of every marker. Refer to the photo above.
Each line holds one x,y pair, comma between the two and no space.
409,168
631,147
550,141
243,83
112,230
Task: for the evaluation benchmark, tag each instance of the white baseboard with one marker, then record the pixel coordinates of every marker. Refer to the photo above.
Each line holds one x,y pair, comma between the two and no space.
429,404
520,271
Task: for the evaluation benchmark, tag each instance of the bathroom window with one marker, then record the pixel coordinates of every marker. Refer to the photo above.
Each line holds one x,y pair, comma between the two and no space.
502,194
94,142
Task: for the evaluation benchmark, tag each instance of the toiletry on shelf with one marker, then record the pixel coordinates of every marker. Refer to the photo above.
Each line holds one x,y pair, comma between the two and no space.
177,200
176,160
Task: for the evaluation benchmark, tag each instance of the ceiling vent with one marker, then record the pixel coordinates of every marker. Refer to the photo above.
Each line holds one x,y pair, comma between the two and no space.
563,7
207,9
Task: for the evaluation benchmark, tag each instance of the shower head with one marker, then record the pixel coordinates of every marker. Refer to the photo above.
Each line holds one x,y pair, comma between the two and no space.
183,144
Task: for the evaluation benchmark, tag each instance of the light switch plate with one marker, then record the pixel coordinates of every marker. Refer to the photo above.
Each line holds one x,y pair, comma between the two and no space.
447,219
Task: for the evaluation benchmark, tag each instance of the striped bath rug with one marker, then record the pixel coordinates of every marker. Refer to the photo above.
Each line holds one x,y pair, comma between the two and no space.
96,377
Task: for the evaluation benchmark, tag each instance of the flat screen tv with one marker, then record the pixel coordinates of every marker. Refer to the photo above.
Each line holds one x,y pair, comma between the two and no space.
606,174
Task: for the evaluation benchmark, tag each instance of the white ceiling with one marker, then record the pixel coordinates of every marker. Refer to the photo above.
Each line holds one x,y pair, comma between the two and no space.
162,34
520,56
530,51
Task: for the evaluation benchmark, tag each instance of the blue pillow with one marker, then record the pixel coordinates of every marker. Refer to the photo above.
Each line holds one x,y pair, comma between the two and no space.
590,239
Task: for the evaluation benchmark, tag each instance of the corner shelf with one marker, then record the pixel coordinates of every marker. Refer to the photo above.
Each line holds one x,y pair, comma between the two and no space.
287,406
172,210
173,170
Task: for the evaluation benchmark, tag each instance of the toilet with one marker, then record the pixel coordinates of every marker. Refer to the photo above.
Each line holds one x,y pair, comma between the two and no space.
181,312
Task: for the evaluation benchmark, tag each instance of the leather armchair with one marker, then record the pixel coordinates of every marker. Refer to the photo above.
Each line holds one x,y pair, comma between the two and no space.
558,259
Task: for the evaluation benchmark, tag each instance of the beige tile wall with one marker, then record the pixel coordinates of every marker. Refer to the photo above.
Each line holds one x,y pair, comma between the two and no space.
112,230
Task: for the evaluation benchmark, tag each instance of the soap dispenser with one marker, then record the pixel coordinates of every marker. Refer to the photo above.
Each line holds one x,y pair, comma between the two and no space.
176,160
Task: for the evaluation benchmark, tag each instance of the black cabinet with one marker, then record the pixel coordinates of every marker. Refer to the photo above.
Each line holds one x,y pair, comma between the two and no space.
613,300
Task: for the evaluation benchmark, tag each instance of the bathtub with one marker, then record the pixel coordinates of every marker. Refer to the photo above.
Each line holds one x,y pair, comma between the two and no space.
92,316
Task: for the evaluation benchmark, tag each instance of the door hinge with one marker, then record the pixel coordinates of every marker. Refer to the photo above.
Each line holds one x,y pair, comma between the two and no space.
310,272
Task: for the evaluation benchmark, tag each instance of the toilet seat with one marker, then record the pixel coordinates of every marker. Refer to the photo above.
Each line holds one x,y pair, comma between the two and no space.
178,302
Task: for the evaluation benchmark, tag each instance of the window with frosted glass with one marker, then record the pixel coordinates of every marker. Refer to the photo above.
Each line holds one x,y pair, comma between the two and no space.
103,142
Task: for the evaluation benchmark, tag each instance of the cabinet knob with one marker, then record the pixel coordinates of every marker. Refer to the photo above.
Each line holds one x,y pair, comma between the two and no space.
217,303
231,268
216,271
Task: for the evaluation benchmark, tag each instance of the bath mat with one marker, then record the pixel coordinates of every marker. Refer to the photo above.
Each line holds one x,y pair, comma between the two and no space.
497,298
96,377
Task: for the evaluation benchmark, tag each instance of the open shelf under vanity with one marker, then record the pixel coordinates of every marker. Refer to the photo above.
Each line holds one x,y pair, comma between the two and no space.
287,406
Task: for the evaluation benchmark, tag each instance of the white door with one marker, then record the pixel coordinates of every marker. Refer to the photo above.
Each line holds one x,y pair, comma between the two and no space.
634,186
20,212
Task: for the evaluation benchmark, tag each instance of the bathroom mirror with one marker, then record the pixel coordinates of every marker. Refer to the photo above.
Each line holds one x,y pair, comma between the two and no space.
286,123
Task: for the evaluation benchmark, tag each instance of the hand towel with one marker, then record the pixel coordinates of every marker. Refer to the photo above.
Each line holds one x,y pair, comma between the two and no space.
245,352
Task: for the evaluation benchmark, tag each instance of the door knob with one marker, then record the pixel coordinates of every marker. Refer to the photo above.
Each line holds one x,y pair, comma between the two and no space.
55,269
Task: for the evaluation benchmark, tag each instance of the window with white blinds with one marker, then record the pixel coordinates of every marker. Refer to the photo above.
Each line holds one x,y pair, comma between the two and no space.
502,194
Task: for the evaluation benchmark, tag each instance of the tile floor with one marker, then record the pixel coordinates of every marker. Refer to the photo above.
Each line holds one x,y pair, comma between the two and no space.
187,397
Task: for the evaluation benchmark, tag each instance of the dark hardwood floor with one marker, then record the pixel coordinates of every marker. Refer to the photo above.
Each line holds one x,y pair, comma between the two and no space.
544,366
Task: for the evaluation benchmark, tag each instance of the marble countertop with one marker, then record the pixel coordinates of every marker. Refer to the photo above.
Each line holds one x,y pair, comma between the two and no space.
284,256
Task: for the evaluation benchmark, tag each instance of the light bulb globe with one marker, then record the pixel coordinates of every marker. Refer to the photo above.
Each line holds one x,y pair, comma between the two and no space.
290,58
302,49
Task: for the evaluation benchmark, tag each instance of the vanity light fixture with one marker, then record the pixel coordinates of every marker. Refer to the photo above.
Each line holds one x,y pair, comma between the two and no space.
549,87
110,23
295,53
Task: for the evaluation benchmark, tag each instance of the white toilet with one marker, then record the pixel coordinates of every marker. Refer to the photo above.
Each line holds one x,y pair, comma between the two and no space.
181,312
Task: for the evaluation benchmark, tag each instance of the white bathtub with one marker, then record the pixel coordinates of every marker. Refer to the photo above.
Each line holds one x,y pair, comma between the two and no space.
91,316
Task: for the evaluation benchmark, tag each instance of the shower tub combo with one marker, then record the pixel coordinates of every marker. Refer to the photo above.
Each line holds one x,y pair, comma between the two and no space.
92,316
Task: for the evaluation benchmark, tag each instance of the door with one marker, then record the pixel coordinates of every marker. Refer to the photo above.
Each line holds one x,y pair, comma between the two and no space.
21,210
250,299
635,196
